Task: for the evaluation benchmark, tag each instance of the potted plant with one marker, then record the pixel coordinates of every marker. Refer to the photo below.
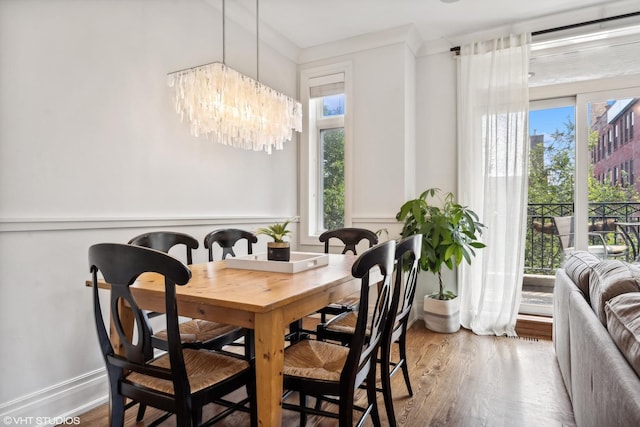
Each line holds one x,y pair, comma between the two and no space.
278,250
450,233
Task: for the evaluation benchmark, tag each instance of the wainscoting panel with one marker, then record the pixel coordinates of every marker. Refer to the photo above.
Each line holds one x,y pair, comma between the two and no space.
43,270
58,404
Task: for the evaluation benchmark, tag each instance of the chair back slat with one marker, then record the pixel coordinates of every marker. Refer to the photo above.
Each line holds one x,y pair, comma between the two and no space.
165,240
350,237
227,238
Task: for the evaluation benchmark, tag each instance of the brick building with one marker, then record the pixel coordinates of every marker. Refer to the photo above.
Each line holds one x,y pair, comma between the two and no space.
616,154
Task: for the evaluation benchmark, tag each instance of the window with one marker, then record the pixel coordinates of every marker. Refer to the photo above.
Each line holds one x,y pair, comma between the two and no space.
327,100
324,151
331,179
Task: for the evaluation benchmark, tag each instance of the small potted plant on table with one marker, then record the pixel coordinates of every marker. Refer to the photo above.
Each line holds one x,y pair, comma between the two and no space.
450,233
278,250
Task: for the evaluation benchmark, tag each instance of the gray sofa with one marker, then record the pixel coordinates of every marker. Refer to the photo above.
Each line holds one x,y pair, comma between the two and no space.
596,335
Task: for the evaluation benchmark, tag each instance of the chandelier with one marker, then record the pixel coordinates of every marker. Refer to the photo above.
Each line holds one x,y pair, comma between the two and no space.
233,109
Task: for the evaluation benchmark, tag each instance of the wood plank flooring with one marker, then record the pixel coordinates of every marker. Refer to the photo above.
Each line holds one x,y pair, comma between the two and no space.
458,379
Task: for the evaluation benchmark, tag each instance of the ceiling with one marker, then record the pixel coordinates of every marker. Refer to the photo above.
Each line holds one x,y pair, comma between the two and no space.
312,25
308,23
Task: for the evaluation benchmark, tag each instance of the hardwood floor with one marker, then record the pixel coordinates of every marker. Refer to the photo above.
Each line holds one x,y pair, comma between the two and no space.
458,379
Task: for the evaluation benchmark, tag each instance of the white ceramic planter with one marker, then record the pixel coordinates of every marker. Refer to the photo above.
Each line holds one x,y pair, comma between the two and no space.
442,315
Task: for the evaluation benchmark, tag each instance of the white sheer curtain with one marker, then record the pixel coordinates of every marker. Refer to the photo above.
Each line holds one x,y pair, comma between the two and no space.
493,150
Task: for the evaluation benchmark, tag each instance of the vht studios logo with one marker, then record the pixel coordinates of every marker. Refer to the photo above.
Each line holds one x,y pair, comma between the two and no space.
32,421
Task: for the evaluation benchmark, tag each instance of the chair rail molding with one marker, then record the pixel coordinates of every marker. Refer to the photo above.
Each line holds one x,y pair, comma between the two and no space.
374,219
60,224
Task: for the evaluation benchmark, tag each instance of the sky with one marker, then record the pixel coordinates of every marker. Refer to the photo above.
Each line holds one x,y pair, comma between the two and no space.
549,120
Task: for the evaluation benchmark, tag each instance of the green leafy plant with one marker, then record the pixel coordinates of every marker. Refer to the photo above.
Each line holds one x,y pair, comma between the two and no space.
275,231
450,232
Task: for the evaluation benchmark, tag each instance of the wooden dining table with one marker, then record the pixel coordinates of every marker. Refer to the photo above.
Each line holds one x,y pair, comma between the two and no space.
264,301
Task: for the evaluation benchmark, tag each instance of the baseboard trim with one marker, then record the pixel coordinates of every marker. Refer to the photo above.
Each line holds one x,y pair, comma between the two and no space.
534,326
60,402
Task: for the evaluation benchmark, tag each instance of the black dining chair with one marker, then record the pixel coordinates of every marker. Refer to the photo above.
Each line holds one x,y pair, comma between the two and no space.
181,380
350,237
341,328
195,333
227,239
331,372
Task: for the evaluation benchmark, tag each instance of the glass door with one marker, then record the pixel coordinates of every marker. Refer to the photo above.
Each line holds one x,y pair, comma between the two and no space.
609,147
551,190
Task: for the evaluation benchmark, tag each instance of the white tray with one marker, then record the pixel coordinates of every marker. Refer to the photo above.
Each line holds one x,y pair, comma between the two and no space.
299,261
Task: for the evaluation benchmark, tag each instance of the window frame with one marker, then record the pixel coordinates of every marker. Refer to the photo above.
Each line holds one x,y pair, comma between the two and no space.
309,161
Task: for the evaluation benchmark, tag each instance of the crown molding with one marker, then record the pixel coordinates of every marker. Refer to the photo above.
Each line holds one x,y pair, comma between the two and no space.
406,34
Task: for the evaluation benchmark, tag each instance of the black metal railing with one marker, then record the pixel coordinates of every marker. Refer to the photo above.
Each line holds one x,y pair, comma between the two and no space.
543,253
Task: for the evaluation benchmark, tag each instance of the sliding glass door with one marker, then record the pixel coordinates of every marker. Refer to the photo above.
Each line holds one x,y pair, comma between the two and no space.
609,188
584,164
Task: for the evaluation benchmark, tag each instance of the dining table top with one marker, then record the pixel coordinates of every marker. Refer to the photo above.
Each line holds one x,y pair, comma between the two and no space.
249,290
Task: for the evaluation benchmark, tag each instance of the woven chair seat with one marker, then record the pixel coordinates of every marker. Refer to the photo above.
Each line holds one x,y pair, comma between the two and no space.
350,301
315,360
345,324
197,330
204,369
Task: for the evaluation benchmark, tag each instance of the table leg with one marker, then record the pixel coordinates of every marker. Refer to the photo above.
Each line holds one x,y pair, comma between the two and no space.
269,348
126,318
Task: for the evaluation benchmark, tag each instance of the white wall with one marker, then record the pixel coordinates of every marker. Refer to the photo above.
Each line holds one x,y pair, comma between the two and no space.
436,139
436,144
384,115
86,111
379,136
91,150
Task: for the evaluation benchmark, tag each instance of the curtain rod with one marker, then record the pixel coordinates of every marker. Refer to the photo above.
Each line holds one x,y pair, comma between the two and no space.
568,27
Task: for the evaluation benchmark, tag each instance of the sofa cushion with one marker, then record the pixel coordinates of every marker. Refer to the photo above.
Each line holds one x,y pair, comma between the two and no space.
578,267
609,279
623,323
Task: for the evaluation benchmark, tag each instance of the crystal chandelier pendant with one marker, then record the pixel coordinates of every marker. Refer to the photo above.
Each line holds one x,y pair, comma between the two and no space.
233,109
